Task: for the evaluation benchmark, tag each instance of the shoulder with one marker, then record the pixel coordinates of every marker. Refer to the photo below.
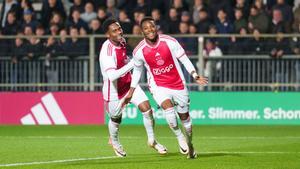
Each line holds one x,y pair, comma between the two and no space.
139,47
106,49
167,38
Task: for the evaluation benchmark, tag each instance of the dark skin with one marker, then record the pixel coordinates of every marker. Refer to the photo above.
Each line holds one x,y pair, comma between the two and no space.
115,35
149,31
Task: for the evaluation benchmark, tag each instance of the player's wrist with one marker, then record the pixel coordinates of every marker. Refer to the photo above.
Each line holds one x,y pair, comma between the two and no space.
195,75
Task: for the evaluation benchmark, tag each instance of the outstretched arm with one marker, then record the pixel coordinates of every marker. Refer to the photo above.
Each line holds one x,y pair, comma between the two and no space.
191,69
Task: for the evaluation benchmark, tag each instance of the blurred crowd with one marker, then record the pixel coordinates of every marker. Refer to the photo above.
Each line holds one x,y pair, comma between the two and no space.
83,17
62,18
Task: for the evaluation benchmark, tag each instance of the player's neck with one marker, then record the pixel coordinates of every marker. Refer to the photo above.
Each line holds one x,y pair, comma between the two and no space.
115,43
152,42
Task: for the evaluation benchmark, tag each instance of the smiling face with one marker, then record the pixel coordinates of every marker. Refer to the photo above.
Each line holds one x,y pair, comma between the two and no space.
115,33
149,31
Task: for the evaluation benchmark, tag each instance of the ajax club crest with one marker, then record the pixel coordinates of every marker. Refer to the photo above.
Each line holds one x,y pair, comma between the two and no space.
159,59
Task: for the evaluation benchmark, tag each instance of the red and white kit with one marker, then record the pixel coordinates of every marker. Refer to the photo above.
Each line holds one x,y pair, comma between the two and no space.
165,77
115,70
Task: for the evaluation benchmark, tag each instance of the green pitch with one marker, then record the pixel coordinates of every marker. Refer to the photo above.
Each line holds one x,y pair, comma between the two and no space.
85,147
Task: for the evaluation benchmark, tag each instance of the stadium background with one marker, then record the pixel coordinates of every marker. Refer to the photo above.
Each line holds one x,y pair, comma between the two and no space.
49,75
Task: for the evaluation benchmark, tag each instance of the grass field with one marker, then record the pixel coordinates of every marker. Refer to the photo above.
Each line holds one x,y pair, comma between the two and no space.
85,147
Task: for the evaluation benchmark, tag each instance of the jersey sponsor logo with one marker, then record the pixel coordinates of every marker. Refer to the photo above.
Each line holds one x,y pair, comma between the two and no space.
159,71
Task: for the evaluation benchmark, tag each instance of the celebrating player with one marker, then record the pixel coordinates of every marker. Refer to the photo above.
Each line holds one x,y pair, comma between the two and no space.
117,79
160,55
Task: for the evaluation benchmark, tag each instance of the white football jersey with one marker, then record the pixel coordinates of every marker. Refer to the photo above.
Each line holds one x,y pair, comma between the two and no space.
113,57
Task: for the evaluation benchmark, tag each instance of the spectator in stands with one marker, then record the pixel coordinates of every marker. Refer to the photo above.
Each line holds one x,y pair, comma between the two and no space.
258,20
257,45
54,30
52,50
125,22
296,18
56,19
133,42
18,53
50,6
225,5
138,16
75,47
89,13
173,21
9,6
26,5
11,28
28,32
128,5
28,20
240,21
101,14
161,24
162,6
35,48
95,27
204,22
224,26
239,45
143,6
260,6
185,17
180,6
76,21
243,5
192,29
188,44
40,31
286,11
197,6
111,8
212,30
279,46
212,68
77,4
12,25
59,48
278,24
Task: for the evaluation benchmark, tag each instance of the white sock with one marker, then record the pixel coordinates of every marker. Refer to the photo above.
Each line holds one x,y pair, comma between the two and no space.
187,125
172,121
149,125
113,129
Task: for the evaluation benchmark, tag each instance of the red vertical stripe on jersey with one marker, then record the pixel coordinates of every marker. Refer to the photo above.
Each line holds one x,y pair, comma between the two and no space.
123,83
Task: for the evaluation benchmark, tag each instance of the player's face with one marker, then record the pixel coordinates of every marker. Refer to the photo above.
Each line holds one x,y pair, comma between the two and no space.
115,33
149,30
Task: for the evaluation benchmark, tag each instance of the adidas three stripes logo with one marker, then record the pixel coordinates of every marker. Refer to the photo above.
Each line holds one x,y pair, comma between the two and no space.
45,113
